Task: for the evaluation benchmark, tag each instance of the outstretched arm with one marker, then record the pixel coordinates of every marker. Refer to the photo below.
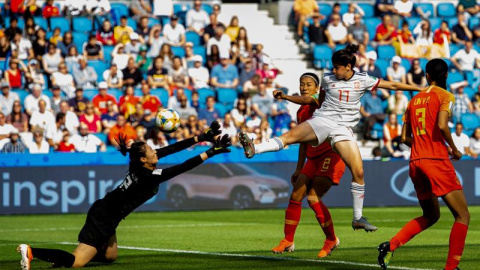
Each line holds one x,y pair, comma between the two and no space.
398,86
301,100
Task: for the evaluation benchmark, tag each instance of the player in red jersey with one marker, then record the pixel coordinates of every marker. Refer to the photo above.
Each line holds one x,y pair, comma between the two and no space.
426,131
323,169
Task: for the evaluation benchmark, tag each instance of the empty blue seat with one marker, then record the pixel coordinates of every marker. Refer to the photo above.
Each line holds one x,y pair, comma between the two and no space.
152,22
427,9
162,94
203,93
90,93
454,77
61,23
382,64
132,23
99,67
343,8
193,37
226,95
469,92
120,10
470,122
367,9
22,94
423,63
473,22
445,10
82,24
222,109
386,52
372,24
202,51
340,47
454,48
179,7
102,136
41,22
117,93
325,9
178,51
435,23
406,64
452,21
107,53
322,56
208,8
449,63
79,39
412,22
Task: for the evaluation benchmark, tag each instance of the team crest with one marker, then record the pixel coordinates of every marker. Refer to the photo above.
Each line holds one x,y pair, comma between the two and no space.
356,85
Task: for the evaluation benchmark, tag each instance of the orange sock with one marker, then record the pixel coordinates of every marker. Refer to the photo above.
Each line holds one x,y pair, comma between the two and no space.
412,228
457,243
292,217
324,219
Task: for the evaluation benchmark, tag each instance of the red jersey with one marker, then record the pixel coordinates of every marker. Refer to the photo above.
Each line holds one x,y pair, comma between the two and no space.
422,116
100,102
151,103
50,11
382,31
438,36
304,113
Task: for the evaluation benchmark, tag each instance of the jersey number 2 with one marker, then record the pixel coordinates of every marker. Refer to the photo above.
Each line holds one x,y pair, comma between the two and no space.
347,94
421,121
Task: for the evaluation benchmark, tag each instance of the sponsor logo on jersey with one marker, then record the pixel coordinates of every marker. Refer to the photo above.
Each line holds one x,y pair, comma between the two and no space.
356,85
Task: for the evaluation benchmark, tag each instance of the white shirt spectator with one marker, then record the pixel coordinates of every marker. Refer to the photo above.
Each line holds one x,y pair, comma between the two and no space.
6,104
98,6
197,19
396,74
65,82
466,60
156,146
54,134
23,46
398,107
34,149
223,44
114,79
6,129
200,77
75,6
71,122
163,8
86,144
338,32
31,103
173,35
461,141
475,145
44,120
422,39
403,7
231,130
121,60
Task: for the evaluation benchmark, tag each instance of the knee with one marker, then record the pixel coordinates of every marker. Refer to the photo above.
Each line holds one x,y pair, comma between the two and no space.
432,218
110,258
297,196
357,174
463,217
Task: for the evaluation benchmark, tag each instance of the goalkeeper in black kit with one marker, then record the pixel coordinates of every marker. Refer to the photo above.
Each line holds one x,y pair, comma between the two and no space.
97,239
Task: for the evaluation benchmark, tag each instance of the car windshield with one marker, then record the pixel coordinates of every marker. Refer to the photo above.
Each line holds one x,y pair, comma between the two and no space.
238,169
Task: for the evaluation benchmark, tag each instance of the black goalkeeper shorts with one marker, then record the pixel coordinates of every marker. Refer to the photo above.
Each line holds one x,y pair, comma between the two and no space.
99,226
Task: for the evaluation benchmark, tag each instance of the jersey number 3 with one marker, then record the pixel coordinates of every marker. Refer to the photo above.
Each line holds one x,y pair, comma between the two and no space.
347,94
420,113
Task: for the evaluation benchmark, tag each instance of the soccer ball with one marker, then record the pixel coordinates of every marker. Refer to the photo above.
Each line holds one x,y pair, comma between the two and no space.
167,120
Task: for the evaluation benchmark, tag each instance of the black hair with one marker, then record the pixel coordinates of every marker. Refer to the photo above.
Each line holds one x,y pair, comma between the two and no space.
136,152
405,23
346,56
437,69
59,116
123,17
313,76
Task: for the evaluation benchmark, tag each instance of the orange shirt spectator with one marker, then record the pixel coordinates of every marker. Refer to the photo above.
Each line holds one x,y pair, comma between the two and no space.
49,10
385,31
100,100
151,103
121,128
305,7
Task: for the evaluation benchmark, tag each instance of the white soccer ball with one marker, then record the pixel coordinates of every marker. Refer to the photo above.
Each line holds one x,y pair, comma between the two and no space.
167,120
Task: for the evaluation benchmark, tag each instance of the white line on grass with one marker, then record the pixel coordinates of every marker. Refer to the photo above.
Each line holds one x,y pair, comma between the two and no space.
254,256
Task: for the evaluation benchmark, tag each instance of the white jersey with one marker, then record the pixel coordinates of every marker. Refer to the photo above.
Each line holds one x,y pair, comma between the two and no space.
342,98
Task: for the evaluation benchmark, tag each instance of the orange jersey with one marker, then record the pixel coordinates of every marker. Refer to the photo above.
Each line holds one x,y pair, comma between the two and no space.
422,116
304,113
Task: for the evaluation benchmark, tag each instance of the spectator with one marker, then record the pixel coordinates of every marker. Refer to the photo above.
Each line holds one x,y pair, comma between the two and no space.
90,120
392,132
155,41
40,44
143,62
42,118
335,11
224,75
416,75
424,35
100,100
93,49
55,99
5,130
197,18
149,102
466,58
158,75
121,33
31,101
167,55
474,147
54,133
246,72
56,36
460,32
157,140
177,75
72,58
11,31
316,31
462,102
209,113
74,8
192,125
281,116
143,30
404,35
119,57
30,29
85,76
397,103
51,60
174,32
267,69
163,8
221,40
86,142
183,108
79,102
349,17
261,102
71,119
228,127
131,74
265,129
213,58
105,34
15,145
199,74
113,77
109,119
385,32
33,74
148,121
17,118
135,118
384,7
372,110
469,6
65,80
7,99
195,102
209,30
442,34
233,28
65,145
128,101
140,9
244,45
64,45
303,9
133,46
39,145
250,88
98,9
396,72
357,31
13,75
402,9
222,17
5,49
476,101
175,99
461,140
49,11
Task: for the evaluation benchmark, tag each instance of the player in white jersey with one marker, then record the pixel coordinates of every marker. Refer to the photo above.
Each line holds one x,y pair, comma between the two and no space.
339,99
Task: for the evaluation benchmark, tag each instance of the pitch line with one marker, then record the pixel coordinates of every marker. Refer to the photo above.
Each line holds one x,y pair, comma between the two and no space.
196,252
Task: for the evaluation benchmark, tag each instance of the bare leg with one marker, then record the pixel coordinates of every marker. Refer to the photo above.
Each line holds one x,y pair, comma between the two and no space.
83,254
300,188
457,204
111,253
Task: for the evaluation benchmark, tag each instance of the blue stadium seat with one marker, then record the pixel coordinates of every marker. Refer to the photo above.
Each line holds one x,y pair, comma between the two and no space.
412,22
423,63
473,22
386,52
22,94
107,53
452,21
222,109
102,136
469,92
470,76
208,8
120,10
79,39
454,77
427,9
321,56
193,37
152,22
162,94
406,64
454,48
117,93
202,51
226,95
21,22
179,7
340,47
3,65
470,122
203,93
449,63
90,93
445,10
82,24
377,131
99,67
165,20
188,93
382,64
367,9
326,10
178,51
343,8
435,23
132,23
41,22
371,24
61,23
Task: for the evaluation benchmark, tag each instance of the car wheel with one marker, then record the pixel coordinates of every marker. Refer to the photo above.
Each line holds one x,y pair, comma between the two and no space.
241,198
177,197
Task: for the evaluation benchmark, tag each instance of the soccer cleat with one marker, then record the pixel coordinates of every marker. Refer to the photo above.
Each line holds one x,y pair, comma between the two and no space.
27,256
363,223
284,246
454,269
384,254
328,247
247,144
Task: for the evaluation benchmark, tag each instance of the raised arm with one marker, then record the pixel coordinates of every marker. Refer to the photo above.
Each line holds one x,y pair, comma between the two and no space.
301,100
396,86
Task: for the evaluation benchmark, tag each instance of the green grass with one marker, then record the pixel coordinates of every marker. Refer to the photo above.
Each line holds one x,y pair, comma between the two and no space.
252,233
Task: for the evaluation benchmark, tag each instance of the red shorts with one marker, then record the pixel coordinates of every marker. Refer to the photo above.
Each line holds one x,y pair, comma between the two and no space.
433,177
330,166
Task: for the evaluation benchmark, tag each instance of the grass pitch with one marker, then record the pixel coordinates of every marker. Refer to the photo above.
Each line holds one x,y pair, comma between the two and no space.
242,240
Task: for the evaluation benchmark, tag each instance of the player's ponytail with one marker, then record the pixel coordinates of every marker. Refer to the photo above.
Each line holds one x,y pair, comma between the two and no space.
346,56
136,151
311,75
437,70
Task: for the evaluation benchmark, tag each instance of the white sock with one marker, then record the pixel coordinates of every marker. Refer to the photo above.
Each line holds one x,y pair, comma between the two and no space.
272,145
358,194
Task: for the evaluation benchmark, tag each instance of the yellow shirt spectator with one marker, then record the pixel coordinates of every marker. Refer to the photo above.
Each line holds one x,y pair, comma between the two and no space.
305,7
